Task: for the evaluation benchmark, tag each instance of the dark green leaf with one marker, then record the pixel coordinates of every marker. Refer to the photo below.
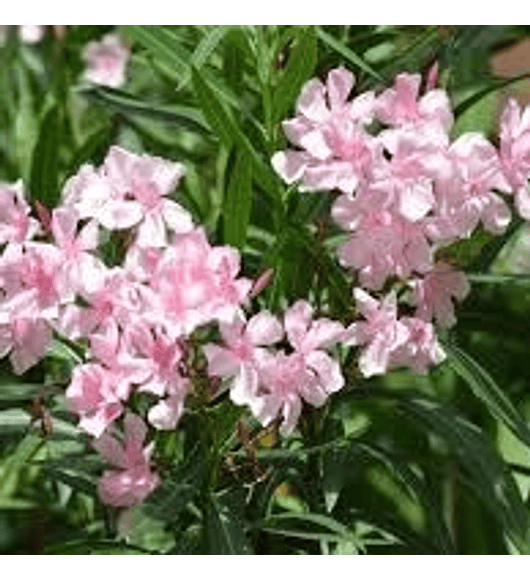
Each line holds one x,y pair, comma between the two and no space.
300,67
225,126
225,528
490,477
126,104
44,185
480,94
347,53
238,203
487,390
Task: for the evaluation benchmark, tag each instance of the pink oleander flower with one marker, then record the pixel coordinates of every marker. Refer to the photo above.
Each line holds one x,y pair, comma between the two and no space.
434,293
421,350
308,373
336,151
196,283
32,33
419,160
469,196
15,224
75,246
400,105
110,348
130,190
283,379
382,243
31,272
143,182
134,479
92,395
381,333
159,357
23,333
106,61
242,350
310,338
515,153
109,295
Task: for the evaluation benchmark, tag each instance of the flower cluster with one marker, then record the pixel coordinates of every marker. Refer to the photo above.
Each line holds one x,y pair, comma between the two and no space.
272,381
405,190
135,317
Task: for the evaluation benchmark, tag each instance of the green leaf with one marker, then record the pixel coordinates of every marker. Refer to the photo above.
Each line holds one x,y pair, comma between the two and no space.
487,390
225,528
481,93
96,547
163,45
44,185
309,526
127,104
347,53
238,203
489,476
94,148
15,503
204,49
498,278
300,67
225,126
12,466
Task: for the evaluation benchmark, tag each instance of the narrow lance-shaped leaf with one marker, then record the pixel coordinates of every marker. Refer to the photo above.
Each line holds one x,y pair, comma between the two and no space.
489,475
225,532
300,67
486,389
238,203
485,91
126,104
226,127
44,167
167,48
347,53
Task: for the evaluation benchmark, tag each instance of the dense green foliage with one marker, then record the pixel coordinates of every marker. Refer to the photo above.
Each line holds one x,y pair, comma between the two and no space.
398,464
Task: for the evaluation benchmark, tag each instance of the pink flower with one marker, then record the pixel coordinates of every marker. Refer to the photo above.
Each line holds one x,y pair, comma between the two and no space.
283,378
15,224
434,292
23,333
109,348
74,245
196,283
159,357
336,151
382,242
468,197
93,397
33,271
106,61
32,33
381,332
130,190
400,105
134,480
110,296
515,153
240,355
142,182
421,350
308,373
